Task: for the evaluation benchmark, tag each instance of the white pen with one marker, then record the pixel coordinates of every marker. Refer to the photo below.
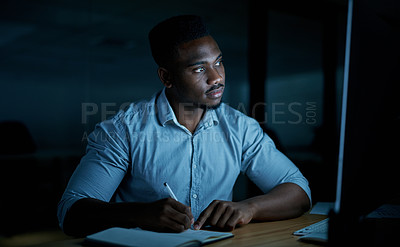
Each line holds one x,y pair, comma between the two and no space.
171,193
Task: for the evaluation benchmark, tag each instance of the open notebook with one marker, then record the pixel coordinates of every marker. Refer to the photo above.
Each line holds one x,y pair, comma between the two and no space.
137,237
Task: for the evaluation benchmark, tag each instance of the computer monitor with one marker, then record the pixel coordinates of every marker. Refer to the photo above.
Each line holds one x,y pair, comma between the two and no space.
369,135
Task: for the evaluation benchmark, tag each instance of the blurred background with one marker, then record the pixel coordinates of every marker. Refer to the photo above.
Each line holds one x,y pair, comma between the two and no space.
67,65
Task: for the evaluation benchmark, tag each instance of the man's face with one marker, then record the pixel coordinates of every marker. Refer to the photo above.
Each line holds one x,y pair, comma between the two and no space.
198,74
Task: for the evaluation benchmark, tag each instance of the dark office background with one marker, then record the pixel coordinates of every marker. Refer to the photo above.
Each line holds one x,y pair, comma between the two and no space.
66,65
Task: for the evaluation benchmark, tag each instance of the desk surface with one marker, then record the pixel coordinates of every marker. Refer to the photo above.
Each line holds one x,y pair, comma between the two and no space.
276,233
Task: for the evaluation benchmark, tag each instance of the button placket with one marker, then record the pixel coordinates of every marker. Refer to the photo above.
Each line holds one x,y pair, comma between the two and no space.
195,176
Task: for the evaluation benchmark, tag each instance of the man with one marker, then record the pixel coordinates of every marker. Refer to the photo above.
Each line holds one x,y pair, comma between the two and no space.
185,136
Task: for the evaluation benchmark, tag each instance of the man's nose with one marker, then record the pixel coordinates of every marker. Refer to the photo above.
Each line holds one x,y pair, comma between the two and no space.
214,76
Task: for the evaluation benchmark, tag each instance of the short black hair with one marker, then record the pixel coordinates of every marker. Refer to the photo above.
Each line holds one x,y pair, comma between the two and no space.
166,36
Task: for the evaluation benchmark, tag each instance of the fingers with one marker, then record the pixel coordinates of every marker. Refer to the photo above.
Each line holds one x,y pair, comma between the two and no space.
178,216
166,215
205,215
224,215
234,220
183,209
221,222
171,225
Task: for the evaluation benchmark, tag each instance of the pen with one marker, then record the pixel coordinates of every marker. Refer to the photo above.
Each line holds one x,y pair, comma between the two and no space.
171,193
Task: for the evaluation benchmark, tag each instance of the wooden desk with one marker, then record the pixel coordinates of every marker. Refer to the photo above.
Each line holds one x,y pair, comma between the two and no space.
277,233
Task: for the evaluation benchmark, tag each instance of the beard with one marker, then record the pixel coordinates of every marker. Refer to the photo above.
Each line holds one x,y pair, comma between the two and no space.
211,107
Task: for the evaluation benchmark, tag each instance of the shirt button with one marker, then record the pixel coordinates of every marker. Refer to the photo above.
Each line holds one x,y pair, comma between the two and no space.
194,166
194,196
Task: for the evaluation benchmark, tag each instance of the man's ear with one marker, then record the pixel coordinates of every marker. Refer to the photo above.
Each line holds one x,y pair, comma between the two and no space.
165,77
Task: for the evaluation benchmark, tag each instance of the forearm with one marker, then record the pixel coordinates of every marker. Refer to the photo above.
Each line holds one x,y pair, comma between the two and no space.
89,215
285,201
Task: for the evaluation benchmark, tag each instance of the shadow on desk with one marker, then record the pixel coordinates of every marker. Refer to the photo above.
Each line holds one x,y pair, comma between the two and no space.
49,237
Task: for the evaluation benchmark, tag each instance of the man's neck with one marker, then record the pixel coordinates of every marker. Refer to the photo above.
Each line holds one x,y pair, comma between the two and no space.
187,114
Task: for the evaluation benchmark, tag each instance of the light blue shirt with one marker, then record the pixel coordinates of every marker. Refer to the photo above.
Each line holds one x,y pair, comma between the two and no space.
131,155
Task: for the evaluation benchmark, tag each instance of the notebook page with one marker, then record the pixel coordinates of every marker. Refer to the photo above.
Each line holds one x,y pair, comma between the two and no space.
137,237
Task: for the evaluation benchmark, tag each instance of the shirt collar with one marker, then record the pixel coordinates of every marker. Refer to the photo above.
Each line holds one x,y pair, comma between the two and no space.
209,119
164,110
166,114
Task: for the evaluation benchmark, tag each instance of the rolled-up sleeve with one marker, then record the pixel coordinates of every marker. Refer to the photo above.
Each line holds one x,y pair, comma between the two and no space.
100,171
265,165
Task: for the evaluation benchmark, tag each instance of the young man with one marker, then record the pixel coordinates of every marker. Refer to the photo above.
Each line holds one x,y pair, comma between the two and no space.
186,137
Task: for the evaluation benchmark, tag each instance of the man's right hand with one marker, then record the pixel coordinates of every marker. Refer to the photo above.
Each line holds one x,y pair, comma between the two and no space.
165,215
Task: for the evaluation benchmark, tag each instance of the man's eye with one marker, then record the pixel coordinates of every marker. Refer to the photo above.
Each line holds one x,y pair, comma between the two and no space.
219,63
198,70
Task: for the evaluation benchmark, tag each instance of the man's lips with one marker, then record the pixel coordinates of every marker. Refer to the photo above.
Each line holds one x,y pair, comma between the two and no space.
215,93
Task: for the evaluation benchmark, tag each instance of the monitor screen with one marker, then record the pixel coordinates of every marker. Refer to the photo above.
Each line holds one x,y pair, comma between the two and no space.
369,135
